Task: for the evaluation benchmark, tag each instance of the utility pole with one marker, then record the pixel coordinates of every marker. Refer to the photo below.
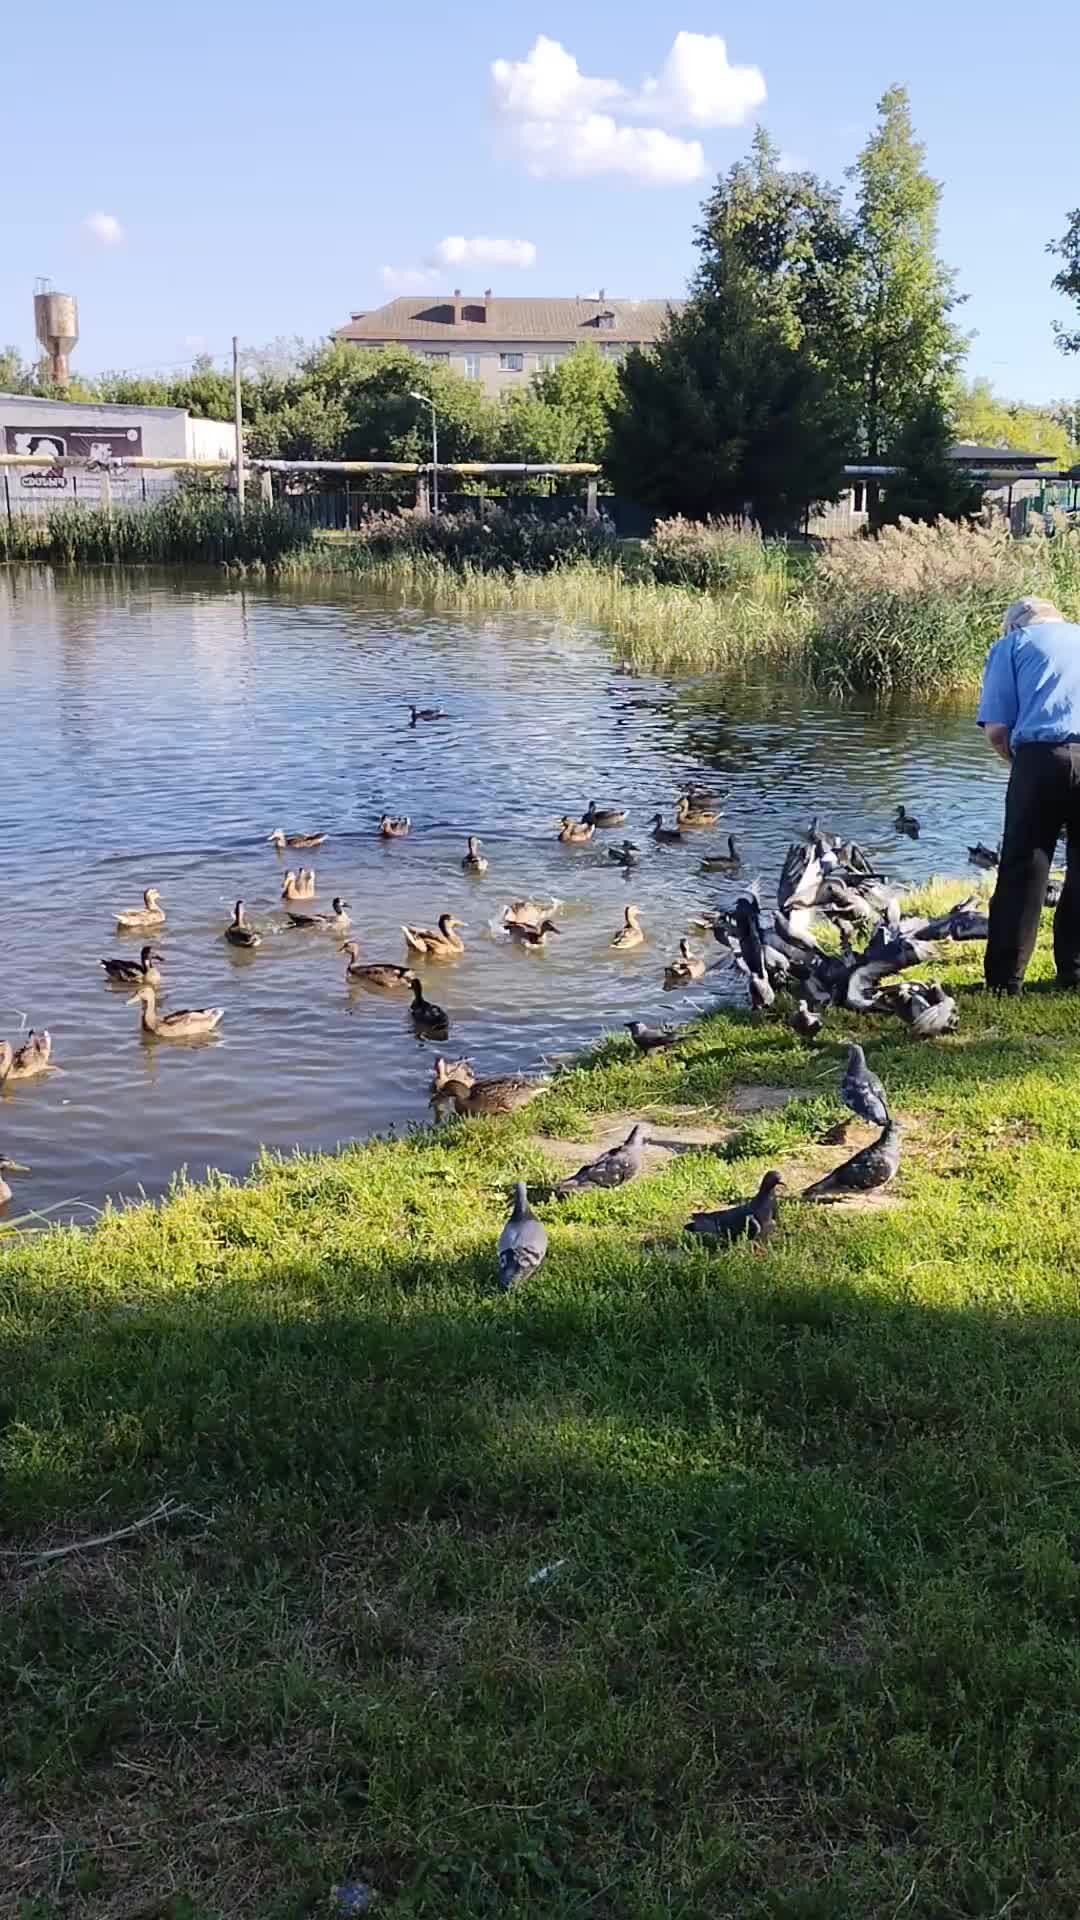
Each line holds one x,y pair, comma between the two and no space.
238,416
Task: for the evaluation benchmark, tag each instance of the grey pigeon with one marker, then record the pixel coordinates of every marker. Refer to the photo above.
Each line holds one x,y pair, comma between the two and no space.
806,1024
932,1011
966,924
873,1166
612,1169
862,1091
523,1242
1053,893
749,1220
651,1039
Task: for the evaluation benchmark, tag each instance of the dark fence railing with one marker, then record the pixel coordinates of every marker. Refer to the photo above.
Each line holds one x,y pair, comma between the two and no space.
342,509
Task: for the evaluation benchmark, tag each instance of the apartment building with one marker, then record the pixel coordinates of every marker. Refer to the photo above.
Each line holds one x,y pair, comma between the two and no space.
501,342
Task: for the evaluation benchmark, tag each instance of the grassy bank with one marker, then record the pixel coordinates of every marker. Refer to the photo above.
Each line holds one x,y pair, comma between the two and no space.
910,614
808,1650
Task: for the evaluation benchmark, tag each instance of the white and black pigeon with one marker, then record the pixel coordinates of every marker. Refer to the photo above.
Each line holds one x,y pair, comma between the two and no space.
611,1169
872,1167
523,1242
805,1023
752,1219
651,1039
862,1091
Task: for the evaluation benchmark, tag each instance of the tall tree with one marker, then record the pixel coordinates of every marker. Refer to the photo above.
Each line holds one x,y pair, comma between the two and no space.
904,342
746,398
1067,280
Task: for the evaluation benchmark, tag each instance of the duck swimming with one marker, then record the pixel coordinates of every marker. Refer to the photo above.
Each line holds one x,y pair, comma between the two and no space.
150,914
689,813
377,973
188,1024
8,1166
525,934
630,934
335,922
282,840
426,713
625,856
299,886
425,1014
134,973
392,829
474,861
442,944
595,816
238,933
907,823
689,966
574,833
668,836
27,1061
981,856
728,862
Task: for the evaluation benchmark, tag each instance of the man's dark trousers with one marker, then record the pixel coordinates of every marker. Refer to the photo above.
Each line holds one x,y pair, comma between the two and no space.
1043,799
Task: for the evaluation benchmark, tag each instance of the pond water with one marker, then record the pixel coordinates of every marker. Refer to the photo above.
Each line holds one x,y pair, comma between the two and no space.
158,729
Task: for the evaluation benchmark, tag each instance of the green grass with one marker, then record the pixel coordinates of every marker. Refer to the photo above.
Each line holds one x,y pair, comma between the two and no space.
813,1650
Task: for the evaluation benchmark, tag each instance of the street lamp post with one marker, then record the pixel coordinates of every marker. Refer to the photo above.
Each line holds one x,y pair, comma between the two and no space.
426,401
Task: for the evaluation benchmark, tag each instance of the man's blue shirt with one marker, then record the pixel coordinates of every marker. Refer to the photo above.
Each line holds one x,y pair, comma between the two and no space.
1031,684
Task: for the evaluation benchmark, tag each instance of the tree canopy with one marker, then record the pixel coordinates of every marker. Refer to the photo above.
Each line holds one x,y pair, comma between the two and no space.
1067,278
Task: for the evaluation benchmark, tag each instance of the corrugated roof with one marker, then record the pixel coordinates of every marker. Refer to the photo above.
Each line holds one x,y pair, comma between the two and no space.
424,318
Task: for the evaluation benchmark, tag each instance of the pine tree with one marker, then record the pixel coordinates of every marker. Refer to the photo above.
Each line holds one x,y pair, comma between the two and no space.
929,485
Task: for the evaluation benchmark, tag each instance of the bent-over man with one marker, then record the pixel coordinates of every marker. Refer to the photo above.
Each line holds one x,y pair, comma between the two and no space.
1030,708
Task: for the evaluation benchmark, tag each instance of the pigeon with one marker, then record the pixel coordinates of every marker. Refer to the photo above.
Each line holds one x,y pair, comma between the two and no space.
800,878
651,1039
1053,893
523,1242
873,1166
862,1091
907,823
750,1220
761,988
612,1169
880,959
932,1011
806,1024
967,924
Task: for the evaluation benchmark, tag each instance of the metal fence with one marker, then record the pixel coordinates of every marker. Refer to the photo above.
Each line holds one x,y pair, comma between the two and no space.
37,491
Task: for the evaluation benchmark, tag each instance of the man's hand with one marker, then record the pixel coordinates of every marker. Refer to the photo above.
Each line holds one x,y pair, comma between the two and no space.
999,740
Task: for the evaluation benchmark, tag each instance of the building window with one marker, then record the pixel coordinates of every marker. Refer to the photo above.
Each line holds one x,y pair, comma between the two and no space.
611,350
547,361
435,356
511,362
472,366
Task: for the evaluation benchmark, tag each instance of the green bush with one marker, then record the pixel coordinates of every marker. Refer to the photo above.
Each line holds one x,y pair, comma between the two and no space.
499,543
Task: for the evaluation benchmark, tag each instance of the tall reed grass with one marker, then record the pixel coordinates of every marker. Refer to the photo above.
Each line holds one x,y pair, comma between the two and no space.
186,528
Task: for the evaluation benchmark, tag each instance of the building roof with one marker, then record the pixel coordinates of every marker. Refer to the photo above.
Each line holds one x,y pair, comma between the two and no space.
490,317
58,404
970,453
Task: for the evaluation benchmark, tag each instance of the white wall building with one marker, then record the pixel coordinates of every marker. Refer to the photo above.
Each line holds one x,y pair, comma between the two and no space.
87,430
502,342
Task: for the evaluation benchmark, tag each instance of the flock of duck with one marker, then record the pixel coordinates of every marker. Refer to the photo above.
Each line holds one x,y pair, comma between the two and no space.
824,883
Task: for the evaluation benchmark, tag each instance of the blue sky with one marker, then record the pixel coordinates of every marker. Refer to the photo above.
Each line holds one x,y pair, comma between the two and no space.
261,167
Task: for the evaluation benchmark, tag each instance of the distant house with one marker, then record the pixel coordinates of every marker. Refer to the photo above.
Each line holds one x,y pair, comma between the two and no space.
500,342
1010,477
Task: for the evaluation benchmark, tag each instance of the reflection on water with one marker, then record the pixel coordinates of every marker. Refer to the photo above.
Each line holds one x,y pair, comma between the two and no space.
156,730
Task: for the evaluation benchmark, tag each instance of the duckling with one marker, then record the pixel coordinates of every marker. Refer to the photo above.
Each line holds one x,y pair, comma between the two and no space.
625,856
282,840
187,1024
150,914
595,816
630,933
981,856
8,1166
335,922
134,973
392,829
378,973
527,935
574,833
238,933
668,836
505,1093
32,1058
426,713
728,862
425,1014
907,823
441,945
689,966
688,813
474,861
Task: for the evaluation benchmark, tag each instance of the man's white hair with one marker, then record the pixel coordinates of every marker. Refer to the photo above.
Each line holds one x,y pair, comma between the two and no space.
1031,612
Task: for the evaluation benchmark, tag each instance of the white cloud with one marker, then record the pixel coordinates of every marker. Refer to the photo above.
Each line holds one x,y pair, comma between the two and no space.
564,122
483,251
104,227
410,279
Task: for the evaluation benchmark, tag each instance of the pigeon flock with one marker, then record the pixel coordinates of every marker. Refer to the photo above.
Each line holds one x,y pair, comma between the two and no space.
824,882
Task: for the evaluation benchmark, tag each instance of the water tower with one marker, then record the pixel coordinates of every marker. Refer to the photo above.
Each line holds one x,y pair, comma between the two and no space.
56,323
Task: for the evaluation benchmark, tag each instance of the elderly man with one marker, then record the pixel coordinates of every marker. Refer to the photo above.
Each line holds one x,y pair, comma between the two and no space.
1030,708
